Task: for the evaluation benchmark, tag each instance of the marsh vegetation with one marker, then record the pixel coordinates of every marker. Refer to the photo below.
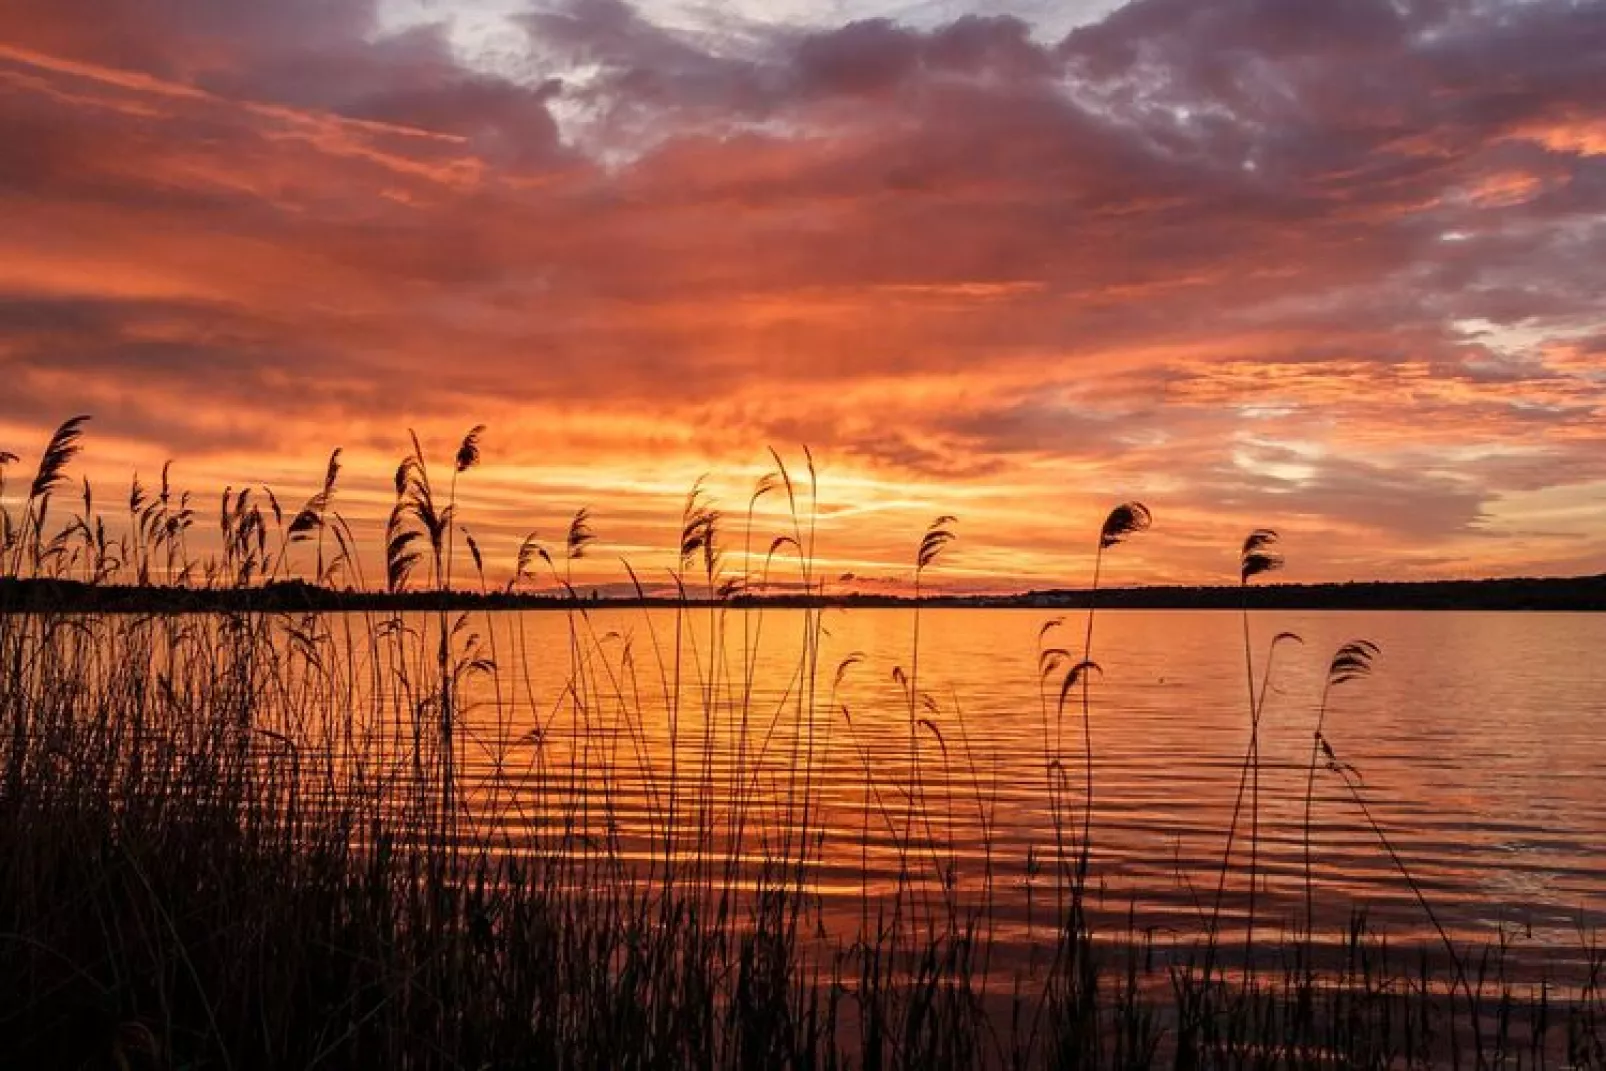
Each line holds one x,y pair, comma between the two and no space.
268,839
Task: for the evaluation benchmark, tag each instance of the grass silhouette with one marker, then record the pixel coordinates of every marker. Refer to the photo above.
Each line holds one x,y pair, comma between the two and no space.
271,839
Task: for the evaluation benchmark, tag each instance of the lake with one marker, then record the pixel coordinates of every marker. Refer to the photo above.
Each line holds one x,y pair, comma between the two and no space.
1475,743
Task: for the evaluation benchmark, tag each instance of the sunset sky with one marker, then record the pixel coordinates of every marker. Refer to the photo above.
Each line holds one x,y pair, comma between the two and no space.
1336,268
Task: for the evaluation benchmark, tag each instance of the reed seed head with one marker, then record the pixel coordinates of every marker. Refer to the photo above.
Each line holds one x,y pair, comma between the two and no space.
1124,521
1352,661
1257,556
468,452
937,537
63,447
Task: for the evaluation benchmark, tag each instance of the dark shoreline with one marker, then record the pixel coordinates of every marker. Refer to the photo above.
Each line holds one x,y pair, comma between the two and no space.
1586,594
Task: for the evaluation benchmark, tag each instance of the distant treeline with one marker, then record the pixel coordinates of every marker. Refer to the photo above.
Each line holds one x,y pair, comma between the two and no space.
1578,593
1584,593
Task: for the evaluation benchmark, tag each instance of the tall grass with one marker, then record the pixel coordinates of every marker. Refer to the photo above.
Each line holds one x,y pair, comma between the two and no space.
270,839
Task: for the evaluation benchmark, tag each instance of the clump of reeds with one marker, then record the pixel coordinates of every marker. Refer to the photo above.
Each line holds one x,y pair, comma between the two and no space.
261,838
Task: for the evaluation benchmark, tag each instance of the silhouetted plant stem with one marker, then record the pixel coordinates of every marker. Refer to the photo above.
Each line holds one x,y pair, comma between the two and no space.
1346,774
1087,729
1254,790
1351,661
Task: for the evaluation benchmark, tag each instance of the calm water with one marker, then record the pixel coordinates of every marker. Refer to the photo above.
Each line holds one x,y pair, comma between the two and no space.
1478,737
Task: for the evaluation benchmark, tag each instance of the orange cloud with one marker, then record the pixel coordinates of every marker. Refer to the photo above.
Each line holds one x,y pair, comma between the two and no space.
976,272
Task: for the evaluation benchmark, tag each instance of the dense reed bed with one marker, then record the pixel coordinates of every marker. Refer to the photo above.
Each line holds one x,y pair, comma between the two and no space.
260,839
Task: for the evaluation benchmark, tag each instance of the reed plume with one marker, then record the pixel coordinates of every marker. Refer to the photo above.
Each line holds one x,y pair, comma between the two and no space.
938,535
530,551
468,455
50,476
1124,521
1257,556
580,535
699,533
64,445
468,452
309,521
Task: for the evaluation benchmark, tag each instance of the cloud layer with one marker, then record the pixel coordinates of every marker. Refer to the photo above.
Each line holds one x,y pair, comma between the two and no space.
1328,267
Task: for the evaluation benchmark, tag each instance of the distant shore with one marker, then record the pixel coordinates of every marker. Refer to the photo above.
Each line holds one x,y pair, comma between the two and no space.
1565,594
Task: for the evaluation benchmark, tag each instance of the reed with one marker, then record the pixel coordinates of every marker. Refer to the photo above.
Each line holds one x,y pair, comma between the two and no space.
273,839
1257,558
1352,661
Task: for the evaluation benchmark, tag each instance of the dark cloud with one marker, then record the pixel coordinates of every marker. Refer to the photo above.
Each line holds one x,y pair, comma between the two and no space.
187,40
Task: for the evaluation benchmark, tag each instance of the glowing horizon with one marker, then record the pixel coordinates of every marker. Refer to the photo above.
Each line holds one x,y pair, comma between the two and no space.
1287,265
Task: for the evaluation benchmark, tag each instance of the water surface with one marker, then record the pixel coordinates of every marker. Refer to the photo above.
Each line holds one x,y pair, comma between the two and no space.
1475,743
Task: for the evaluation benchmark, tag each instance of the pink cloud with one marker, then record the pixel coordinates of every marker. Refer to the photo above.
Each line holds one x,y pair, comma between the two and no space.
1188,253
